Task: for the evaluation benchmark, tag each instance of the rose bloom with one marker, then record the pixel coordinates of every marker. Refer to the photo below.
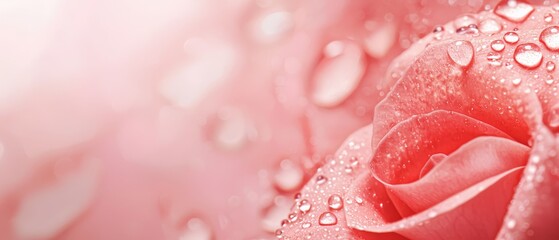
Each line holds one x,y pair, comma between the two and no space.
220,119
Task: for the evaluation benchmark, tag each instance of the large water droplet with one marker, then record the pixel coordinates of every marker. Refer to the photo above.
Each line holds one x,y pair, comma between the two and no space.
550,38
511,37
272,26
196,229
335,202
289,176
43,213
337,77
327,219
498,45
461,52
528,55
490,26
305,206
513,10
381,39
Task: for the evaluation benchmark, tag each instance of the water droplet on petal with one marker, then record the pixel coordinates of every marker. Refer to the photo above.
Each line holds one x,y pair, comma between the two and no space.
305,206
471,29
358,200
511,224
327,219
528,55
196,229
337,77
438,32
320,179
550,66
335,202
292,217
279,233
498,45
548,18
461,52
494,58
550,38
513,10
511,37
516,81
549,80
289,176
306,225
432,214
490,26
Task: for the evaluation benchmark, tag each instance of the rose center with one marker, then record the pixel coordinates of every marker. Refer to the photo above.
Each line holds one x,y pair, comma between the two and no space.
431,163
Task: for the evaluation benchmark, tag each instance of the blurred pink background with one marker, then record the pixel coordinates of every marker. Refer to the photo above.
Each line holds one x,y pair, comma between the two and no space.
196,119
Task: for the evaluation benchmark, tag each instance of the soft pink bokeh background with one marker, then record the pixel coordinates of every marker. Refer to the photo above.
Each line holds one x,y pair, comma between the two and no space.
197,119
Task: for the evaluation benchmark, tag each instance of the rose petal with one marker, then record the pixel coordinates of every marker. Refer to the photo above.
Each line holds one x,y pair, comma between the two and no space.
404,150
461,212
477,160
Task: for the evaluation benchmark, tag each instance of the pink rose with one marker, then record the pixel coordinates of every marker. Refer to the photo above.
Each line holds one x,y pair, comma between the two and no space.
464,145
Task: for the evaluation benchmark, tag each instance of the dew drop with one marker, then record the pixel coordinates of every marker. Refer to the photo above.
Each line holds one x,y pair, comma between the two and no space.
516,81
513,11
348,169
306,225
550,66
461,52
335,202
528,55
550,38
438,32
327,219
358,200
494,58
337,77
289,176
279,233
498,45
432,214
273,26
490,26
548,18
549,80
511,37
305,206
284,222
320,179
511,224
292,217
470,29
